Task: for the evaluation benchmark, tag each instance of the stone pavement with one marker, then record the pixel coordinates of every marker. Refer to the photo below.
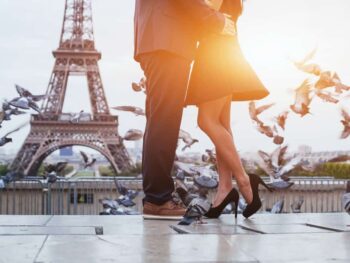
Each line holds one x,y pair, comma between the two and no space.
263,238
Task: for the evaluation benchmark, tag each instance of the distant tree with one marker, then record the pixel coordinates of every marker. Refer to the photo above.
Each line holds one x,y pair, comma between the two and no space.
3,169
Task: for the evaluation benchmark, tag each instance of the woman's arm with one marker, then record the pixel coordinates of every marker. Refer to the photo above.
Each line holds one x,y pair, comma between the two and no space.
215,4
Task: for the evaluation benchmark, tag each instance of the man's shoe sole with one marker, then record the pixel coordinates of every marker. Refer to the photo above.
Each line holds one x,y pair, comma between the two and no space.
159,217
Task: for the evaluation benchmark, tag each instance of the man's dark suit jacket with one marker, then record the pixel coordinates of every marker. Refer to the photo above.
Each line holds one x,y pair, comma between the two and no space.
173,25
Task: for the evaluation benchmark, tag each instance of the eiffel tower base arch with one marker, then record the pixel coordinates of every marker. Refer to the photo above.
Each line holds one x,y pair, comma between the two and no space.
47,136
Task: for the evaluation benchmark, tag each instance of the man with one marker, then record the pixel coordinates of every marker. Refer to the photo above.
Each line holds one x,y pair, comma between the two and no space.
166,36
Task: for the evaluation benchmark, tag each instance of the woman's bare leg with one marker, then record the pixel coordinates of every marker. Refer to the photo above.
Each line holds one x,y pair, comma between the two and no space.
209,120
225,173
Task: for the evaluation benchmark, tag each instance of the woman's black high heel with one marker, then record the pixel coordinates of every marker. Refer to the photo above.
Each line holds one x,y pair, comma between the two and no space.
255,205
232,197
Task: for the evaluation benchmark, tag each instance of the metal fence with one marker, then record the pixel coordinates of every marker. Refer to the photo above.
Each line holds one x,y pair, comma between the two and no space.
80,196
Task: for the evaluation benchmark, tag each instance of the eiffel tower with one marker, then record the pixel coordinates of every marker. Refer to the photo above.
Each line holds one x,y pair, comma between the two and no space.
53,129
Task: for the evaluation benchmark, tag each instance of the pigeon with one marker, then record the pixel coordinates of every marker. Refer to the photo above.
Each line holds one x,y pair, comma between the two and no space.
328,79
76,117
271,132
254,112
2,117
276,165
309,68
209,157
185,196
133,135
180,175
346,123
185,167
187,139
264,129
88,160
136,110
110,207
281,119
277,208
296,205
26,100
27,94
302,99
56,168
277,139
346,198
125,192
8,111
195,211
9,177
141,86
25,104
53,170
205,182
326,96
4,140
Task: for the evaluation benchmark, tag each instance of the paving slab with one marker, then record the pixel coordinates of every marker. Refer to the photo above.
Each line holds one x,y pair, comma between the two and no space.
210,228
23,220
339,221
310,247
130,248
20,249
116,225
44,230
93,220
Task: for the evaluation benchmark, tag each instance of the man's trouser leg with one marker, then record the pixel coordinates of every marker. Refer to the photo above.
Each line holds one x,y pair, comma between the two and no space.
167,78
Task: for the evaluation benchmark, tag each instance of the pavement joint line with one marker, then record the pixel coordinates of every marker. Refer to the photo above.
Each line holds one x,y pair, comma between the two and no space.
251,229
325,228
48,220
40,249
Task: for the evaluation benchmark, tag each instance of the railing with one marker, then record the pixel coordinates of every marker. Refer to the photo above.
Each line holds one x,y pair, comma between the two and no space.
80,196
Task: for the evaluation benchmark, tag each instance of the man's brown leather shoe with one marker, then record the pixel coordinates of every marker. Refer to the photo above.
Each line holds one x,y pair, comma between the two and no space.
167,211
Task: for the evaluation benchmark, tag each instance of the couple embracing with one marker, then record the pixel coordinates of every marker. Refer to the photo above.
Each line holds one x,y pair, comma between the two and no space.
190,55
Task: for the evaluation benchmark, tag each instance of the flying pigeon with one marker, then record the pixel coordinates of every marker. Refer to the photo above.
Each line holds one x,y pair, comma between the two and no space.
346,123
133,135
187,139
277,166
88,160
254,112
310,68
302,99
141,86
136,110
326,96
281,119
4,140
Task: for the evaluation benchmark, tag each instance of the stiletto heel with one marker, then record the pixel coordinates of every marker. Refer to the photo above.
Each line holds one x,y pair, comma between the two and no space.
255,205
236,208
232,197
265,185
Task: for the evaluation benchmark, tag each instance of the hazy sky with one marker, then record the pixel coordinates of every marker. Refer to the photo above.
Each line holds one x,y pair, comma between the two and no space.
272,32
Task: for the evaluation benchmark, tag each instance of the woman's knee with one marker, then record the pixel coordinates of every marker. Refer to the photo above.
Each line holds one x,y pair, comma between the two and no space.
203,122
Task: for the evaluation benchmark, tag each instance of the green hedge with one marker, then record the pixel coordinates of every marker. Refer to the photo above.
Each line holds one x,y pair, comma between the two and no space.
3,169
108,171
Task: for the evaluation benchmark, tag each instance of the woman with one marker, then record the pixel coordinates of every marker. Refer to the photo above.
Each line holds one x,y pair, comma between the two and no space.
220,74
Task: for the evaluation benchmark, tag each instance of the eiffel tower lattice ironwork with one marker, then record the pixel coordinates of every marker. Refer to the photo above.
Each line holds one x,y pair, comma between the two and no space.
52,129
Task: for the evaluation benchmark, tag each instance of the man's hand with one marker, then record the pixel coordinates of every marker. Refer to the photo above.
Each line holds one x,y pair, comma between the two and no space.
229,28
